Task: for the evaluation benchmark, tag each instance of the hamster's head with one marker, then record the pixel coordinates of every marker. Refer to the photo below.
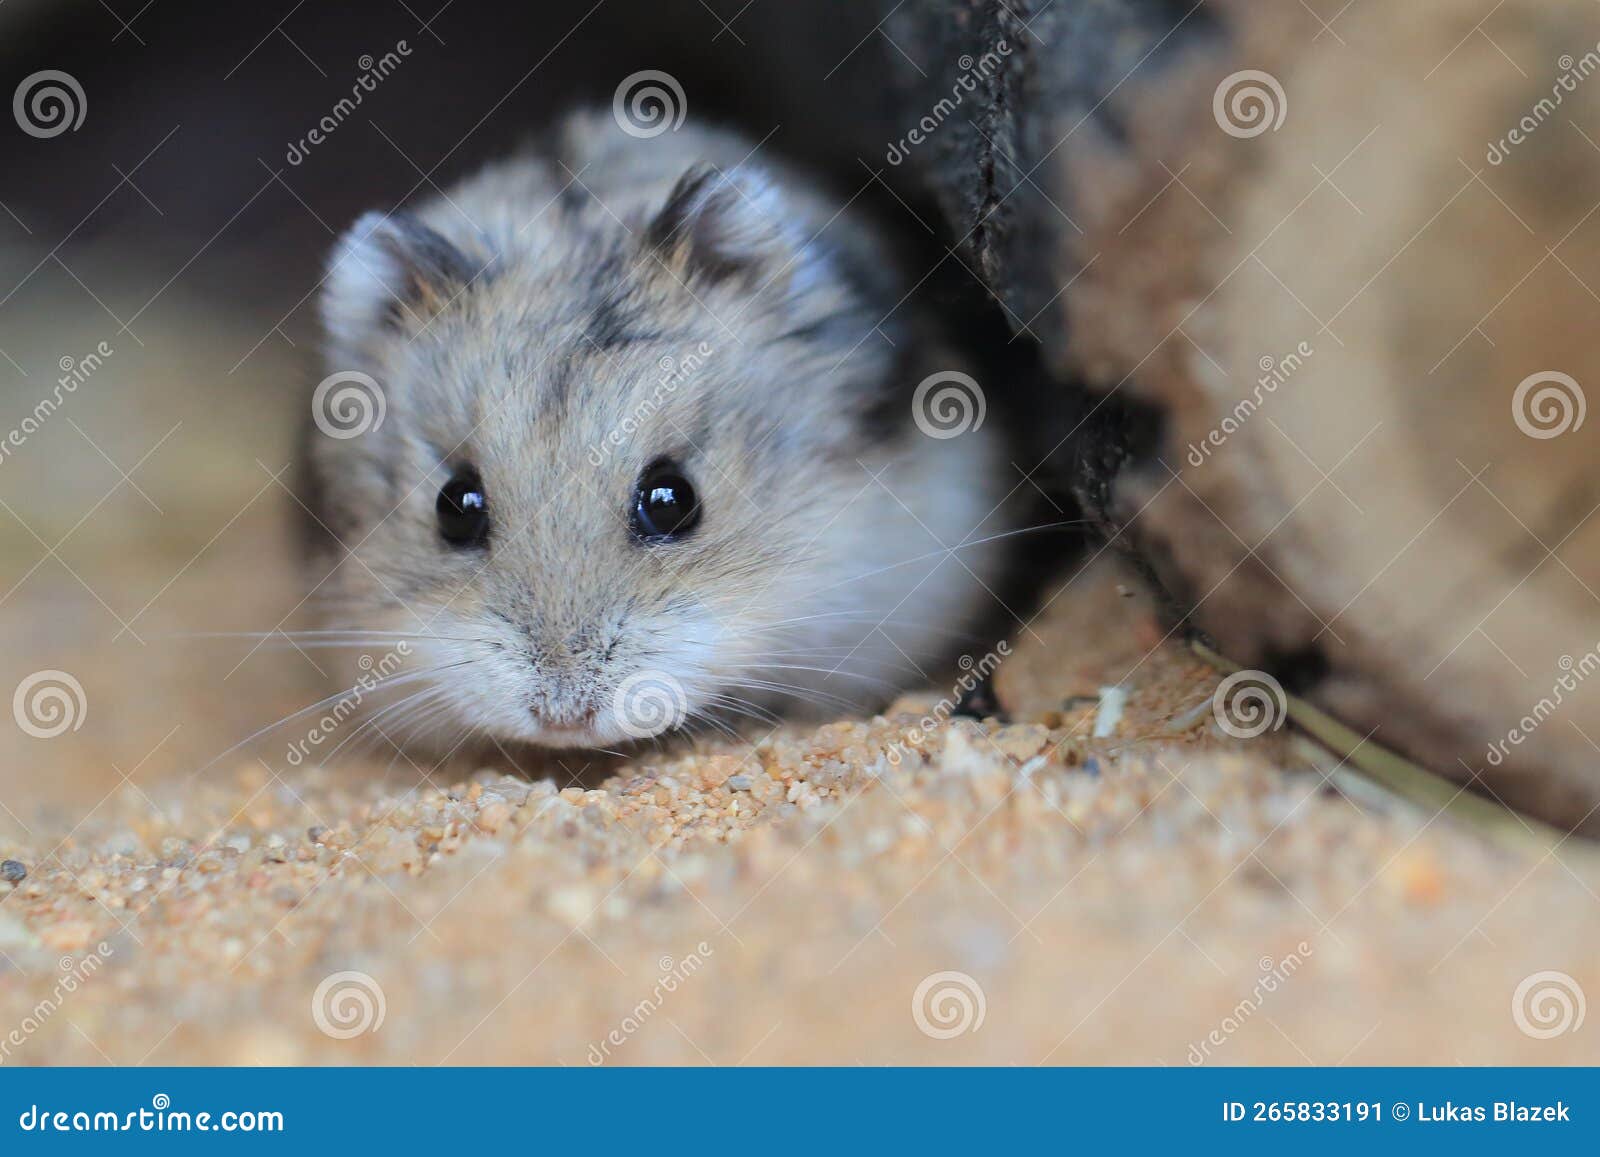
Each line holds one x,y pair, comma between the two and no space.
590,462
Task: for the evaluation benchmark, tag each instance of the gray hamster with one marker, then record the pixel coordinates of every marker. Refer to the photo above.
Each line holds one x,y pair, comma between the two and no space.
626,433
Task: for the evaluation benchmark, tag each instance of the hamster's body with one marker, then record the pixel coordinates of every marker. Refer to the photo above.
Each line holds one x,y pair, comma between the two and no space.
579,348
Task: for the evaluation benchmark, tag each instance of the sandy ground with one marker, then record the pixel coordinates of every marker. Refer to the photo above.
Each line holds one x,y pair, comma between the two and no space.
999,894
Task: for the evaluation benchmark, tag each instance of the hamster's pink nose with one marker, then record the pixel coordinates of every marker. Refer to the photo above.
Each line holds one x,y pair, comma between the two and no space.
564,719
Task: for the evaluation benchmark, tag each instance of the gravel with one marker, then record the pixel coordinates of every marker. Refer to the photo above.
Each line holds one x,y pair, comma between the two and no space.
1112,899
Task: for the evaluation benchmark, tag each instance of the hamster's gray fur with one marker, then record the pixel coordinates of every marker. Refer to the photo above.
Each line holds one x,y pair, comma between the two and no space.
567,317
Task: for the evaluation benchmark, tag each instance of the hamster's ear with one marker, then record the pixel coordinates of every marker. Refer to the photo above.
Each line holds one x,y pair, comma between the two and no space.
720,226
390,271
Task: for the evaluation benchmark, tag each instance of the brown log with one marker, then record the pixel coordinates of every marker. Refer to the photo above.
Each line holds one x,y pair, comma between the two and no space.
1305,335
1396,522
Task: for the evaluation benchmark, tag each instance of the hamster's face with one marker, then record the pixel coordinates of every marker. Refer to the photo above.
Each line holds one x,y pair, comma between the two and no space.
598,462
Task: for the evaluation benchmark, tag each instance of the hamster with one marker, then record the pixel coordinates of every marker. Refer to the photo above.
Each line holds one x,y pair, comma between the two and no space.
647,439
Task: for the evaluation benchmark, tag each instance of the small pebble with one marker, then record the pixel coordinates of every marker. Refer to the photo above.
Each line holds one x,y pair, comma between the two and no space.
13,871
14,933
739,783
69,935
1109,714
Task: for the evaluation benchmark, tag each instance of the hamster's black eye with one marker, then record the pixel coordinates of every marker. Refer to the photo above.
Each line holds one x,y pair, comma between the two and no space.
665,507
463,509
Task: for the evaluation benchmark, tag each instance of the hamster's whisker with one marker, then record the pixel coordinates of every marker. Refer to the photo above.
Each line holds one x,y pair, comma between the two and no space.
333,644
370,723
710,721
329,608
842,652
312,633
419,722
741,706
860,617
761,663
907,664
948,552
394,681
831,671
795,691
332,640
403,729
384,636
